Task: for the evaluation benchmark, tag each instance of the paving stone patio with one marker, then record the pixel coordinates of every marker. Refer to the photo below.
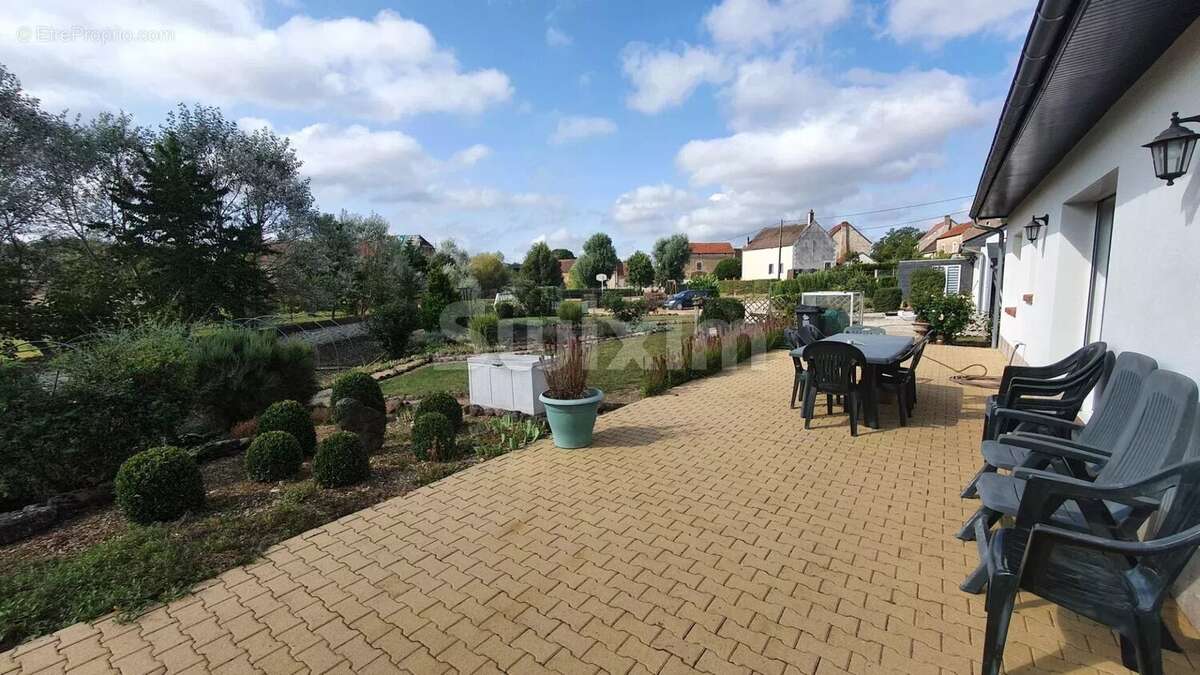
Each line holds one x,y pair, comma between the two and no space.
706,530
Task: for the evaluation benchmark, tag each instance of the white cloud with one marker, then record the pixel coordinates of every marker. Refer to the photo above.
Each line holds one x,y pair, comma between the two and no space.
742,24
222,52
651,206
574,128
559,238
472,155
914,20
557,38
355,161
664,79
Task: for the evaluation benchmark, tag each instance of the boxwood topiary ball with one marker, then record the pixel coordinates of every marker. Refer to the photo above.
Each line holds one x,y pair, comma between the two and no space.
272,456
292,417
340,460
357,385
433,437
444,403
159,484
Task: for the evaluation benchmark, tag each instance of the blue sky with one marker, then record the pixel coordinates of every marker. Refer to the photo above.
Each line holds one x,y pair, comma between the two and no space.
499,123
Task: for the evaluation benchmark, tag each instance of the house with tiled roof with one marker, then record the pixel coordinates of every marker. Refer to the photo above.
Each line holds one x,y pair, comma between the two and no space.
849,241
927,244
950,242
705,255
782,251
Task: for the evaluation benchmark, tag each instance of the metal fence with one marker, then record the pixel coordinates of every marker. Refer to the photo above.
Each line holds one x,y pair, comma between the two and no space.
850,302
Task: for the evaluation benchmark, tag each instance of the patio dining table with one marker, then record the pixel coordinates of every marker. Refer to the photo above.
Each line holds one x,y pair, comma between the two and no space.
881,351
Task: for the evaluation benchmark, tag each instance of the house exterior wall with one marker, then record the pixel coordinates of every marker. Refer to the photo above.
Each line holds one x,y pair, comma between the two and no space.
849,240
949,245
1151,301
812,250
706,263
758,263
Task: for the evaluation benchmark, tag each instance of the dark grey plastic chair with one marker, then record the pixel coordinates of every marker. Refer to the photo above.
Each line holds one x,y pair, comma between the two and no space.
1102,431
902,380
1118,583
792,336
1057,390
833,370
1157,435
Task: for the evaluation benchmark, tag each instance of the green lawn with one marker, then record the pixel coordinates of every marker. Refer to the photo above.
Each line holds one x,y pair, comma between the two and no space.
619,367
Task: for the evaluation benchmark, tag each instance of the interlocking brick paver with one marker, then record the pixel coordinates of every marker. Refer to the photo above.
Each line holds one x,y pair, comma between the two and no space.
704,531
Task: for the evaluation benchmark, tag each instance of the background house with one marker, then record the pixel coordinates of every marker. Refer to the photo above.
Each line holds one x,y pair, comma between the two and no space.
927,244
705,256
784,250
849,240
1117,259
417,240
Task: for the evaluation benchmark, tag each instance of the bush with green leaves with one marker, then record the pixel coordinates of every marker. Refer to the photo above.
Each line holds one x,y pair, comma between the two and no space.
571,311
241,371
887,299
949,314
340,460
484,329
705,282
925,284
392,325
159,484
505,310
359,386
631,311
887,282
433,437
729,310
444,403
292,417
729,268
273,456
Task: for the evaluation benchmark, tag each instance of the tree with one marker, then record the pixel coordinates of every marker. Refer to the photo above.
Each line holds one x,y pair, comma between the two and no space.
490,271
900,243
670,258
439,294
541,267
599,257
639,270
187,259
563,254
729,268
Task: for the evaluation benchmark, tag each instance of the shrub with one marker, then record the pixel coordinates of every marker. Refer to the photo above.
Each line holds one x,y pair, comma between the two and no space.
949,314
485,329
505,310
571,311
292,417
729,310
340,460
274,455
887,282
887,299
359,386
656,379
630,311
705,282
392,324
729,268
444,403
746,287
159,484
244,429
612,299
242,371
433,437
924,285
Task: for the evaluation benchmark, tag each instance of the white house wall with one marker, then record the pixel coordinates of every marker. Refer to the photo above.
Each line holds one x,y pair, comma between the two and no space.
1153,292
757,263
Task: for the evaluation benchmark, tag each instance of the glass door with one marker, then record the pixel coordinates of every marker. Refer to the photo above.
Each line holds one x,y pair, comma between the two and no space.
1105,210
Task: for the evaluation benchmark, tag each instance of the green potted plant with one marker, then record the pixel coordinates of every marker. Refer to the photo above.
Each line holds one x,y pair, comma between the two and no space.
949,315
571,405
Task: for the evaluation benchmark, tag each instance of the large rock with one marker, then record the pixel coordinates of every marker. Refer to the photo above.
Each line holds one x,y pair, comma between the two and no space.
18,525
367,422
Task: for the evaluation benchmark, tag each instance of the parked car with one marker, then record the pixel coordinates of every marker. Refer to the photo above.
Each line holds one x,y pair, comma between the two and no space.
685,299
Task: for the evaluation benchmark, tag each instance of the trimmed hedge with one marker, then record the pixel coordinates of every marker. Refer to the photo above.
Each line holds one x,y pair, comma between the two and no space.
292,417
159,484
273,456
340,460
444,403
359,386
433,437
887,299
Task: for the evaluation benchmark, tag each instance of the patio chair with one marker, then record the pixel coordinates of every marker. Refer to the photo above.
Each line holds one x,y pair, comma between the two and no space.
1156,435
792,336
902,381
833,369
1057,390
1121,584
1108,420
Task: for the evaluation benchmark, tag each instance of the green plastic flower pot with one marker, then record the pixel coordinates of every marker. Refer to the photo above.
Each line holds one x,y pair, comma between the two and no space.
572,420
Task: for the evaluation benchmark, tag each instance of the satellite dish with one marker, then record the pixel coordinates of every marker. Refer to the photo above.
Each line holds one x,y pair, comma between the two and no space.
602,277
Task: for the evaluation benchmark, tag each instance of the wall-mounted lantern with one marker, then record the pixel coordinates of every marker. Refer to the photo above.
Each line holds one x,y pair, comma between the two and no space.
1172,149
1035,226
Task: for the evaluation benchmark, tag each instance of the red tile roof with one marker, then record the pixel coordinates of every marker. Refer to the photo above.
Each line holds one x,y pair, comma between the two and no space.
838,228
565,266
710,248
957,229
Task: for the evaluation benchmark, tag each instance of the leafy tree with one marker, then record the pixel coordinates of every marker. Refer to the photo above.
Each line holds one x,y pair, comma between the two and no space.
439,294
599,257
729,268
384,275
489,270
541,267
639,270
455,262
86,290
563,254
392,323
186,257
575,278
670,258
899,243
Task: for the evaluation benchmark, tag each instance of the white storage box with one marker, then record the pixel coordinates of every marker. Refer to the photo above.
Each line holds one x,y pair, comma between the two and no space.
507,382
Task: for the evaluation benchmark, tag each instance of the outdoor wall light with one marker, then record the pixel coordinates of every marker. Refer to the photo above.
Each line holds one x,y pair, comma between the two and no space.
1172,149
1035,225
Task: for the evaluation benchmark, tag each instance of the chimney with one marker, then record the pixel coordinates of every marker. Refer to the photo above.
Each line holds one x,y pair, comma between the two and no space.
812,218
